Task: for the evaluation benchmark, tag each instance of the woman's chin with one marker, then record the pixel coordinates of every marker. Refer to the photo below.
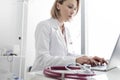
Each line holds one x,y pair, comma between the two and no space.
68,20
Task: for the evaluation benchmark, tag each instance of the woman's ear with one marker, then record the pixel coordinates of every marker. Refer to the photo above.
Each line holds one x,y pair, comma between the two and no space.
58,6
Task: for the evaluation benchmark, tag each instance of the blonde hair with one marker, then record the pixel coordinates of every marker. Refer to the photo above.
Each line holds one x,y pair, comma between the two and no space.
55,12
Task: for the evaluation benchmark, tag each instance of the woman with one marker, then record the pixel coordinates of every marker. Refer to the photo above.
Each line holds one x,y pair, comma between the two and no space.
52,38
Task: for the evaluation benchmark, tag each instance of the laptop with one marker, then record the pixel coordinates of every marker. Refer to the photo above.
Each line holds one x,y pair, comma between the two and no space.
114,60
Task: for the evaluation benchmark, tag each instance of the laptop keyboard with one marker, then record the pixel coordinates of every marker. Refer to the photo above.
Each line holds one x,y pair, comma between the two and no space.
99,67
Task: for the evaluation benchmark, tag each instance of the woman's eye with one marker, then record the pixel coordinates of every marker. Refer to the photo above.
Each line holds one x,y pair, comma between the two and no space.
70,7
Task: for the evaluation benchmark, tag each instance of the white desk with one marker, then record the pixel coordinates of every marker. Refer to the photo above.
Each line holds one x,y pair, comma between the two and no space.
110,75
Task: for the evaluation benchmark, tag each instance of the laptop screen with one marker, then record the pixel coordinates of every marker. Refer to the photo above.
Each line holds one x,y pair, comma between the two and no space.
115,57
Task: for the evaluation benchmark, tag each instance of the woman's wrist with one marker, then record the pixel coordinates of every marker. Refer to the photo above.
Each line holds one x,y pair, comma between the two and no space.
83,60
78,60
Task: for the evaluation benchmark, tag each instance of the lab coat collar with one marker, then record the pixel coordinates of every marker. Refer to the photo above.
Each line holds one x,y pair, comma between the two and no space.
56,23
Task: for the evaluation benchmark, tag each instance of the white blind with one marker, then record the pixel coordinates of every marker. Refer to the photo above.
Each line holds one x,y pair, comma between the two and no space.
102,25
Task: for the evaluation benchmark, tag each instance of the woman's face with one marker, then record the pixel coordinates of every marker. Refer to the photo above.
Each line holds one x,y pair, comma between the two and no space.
67,9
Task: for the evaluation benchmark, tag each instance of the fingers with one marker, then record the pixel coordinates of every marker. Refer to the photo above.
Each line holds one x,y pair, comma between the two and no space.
93,61
101,61
104,61
97,61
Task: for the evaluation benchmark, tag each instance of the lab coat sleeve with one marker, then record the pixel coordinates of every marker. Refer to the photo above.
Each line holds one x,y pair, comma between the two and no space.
43,57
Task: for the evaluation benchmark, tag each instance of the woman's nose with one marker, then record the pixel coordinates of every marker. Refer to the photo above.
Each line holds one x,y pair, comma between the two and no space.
72,12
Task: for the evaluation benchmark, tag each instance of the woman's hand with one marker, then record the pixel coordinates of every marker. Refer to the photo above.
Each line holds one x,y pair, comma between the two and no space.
83,60
99,61
93,61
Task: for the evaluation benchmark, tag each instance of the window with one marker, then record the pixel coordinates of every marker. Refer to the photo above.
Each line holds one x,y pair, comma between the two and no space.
102,26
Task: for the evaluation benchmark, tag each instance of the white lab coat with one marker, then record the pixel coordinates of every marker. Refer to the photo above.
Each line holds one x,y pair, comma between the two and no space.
51,48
